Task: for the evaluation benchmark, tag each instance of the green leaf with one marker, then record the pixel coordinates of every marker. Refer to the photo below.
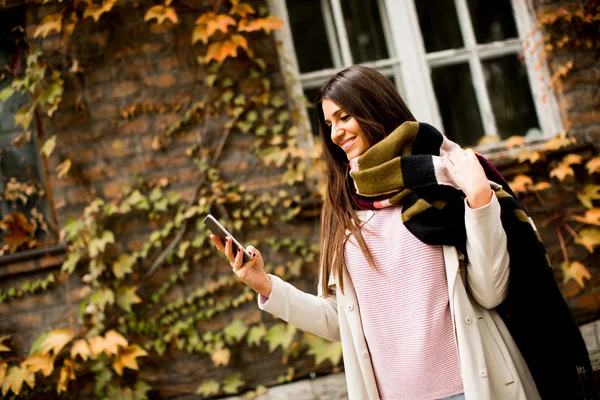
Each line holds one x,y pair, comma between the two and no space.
97,245
156,195
23,117
123,266
138,200
35,347
173,197
126,297
232,383
280,335
323,350
208,388
6,93
71,262
48,146
256,334
102,297
235,331
183,246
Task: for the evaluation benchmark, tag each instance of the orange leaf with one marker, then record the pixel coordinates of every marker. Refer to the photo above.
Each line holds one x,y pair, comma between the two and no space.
541,186
593,165
221,357
242,9
562,171
48,24
589,238
56,340
161,13
267,24
587,194
219,51
571,159
15,377
590,217
520,183
514,141
96,11
20,229
127,358
96,345
576,271
210,23
112,341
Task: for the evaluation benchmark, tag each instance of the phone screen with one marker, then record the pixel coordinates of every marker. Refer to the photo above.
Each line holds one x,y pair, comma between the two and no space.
218,230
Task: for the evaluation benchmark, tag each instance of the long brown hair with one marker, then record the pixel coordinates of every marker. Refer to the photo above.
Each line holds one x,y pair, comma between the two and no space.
371,99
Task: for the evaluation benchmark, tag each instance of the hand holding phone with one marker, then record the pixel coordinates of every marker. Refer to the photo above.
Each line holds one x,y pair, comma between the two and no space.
218,230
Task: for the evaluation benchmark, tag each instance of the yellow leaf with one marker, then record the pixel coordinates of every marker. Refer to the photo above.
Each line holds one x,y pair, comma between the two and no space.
67,373
82,349
56,340
514,141
221,356
528,155
208,24
208,388
161,13
541,186
576,271
112,341
591,217
267,24
127,358
558,142
3,347
3,367
562,171
96,11
96,345
587,194
520,183
48,146
589,238
571,159
63,168
14,379
48,24
593,165
40,362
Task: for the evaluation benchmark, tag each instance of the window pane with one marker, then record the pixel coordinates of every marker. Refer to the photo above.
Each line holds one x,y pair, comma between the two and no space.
311,96
439,24
510,95
365,30
457,103
309,35
492,20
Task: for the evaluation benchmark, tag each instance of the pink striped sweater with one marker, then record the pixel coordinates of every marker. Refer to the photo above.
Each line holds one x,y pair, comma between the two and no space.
405,311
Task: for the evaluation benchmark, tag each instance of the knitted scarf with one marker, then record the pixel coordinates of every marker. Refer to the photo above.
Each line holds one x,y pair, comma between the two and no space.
406,168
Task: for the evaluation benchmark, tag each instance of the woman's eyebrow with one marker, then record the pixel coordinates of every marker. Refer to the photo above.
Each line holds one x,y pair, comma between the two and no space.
335,114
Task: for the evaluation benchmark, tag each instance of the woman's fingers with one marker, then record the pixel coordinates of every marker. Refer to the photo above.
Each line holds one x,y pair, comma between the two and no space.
238,261
218,242
253,251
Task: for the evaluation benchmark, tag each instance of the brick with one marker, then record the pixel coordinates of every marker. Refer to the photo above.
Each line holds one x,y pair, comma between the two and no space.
134,126
82,155
104,111
78,195
124,89
21,267
161,81
578,79
29,302
98,172
584,118
29,320
113,189
51,261
166,63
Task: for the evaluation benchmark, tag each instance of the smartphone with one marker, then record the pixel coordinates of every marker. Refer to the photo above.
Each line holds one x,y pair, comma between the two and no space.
222,233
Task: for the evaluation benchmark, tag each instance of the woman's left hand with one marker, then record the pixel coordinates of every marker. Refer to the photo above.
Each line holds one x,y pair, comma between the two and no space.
468,174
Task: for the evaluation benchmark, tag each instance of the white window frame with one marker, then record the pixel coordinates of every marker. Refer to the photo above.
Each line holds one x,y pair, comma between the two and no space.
412,71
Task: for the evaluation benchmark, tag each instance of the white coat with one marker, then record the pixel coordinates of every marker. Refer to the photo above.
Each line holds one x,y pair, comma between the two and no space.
491,365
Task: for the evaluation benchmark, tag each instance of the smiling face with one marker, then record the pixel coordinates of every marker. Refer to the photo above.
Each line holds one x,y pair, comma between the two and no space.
345,131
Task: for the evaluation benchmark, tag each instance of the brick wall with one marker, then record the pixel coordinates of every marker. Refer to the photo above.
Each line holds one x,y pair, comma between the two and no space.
127,61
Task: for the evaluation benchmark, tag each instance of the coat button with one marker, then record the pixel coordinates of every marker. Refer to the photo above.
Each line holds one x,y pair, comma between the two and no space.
483,373
468,320
349,307
365,354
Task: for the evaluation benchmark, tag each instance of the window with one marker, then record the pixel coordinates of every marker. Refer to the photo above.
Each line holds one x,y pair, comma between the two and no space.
22,187
459,64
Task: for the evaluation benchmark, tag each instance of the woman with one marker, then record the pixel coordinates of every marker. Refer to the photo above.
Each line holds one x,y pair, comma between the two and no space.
422,275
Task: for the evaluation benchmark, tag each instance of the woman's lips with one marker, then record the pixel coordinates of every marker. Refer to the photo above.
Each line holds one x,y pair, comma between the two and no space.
348,144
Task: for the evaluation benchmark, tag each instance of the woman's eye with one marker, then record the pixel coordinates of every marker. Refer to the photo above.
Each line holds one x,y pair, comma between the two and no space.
345,117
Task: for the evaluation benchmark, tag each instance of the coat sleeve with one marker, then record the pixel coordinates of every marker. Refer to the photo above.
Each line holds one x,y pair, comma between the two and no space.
488,270
315,314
